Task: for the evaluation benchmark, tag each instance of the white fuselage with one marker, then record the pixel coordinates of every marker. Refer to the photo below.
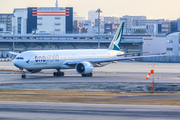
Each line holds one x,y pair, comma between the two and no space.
56,59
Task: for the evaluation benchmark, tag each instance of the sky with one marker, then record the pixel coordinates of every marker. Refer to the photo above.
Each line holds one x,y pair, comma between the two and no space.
152,9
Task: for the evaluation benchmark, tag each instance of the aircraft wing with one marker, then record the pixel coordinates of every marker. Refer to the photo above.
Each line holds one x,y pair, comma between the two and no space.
113,59
13,53
122,58
133,53
72,62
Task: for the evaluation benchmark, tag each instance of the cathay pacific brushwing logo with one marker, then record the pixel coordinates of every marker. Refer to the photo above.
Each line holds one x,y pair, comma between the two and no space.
117,41
28,61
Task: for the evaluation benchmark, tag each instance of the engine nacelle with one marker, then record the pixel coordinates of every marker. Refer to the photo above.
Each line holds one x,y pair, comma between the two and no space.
84,68
33,71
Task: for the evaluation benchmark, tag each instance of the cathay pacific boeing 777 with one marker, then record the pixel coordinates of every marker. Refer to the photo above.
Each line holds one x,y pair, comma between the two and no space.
82,60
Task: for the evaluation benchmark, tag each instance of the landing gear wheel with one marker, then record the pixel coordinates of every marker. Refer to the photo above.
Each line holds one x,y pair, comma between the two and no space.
62,73
55,74
83,75
87,75
23,76
91,74
58,73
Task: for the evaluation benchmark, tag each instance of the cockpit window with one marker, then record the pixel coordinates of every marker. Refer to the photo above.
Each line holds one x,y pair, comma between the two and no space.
20,58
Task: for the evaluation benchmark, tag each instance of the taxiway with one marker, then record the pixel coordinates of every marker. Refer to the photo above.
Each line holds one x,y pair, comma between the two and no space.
73,111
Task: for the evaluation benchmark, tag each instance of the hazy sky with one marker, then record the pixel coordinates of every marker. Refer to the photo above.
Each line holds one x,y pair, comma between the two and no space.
167,9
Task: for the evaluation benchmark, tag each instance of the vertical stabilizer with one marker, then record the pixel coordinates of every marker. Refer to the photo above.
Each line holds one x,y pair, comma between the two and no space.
116,42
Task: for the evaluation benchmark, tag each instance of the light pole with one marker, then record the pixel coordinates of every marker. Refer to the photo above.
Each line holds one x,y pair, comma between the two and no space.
13,36
99,11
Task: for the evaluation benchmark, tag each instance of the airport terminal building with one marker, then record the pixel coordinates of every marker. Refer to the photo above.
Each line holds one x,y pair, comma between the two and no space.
130,43
43,20
51,28
173,44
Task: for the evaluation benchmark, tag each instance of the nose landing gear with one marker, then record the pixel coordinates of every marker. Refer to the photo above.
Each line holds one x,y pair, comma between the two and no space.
23,74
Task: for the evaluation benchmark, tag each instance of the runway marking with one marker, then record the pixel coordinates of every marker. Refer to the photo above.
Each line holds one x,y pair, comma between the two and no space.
142,110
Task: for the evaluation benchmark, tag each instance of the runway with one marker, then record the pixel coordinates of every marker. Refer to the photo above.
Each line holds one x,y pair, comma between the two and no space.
69,111
119,77
112,78
72,76
119,72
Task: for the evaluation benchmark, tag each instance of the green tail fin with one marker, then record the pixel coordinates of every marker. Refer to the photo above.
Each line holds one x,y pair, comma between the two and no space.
116,42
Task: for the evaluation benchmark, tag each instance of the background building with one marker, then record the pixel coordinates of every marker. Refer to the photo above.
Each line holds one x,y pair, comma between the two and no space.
92,15
173,44
2,28
132,20
94,29
87,24
19,21
7,20
108,28
114,20
76,28
43,20
154,45
145,22
76,17
166,27
174,26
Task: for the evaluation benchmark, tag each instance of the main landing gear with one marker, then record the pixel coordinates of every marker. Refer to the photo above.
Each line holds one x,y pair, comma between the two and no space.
87,75
58,73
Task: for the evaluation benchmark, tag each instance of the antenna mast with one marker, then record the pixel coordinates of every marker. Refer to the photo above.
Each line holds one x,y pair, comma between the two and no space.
56,3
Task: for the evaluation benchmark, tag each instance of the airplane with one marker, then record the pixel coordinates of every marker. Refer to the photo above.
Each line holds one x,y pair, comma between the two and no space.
83,60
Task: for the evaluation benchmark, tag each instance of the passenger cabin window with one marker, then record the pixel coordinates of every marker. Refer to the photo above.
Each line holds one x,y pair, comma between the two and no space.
20,58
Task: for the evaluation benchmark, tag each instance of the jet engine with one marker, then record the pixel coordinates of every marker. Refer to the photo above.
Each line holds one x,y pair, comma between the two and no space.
33,71
84,68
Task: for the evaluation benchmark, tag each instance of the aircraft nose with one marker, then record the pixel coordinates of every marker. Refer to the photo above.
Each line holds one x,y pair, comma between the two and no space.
16,63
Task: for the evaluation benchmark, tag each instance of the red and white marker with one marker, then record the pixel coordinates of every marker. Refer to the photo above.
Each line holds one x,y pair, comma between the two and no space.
151,72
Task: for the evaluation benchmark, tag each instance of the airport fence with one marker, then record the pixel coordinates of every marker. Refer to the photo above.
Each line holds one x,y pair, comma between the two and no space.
163,59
